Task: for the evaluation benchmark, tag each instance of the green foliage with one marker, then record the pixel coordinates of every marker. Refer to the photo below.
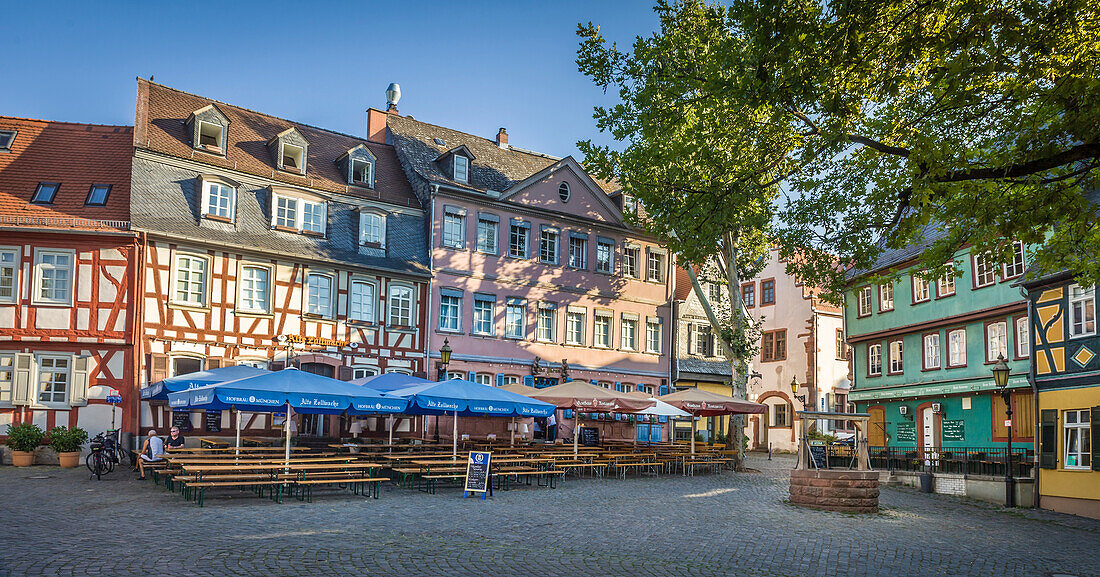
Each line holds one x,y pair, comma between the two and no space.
24,437
816,435
66,439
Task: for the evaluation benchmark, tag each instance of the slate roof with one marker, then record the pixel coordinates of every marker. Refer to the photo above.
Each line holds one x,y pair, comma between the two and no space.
931,233
702,367
75,155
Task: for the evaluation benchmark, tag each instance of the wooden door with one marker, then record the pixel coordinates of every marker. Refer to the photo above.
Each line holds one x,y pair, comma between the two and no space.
877,434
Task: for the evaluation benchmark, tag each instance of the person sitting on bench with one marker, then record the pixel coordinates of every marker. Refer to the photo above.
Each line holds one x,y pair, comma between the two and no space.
151,451
175,439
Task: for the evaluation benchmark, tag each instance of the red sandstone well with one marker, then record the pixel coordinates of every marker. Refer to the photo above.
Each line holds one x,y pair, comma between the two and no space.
835,490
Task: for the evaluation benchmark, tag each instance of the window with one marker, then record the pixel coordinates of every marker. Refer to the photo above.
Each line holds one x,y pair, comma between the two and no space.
7,138
781,415
361,299
185,365
1014,268
874,359
9,274
484,312
461,168
294,158
254,287
54,270
1078,442
945,286
578,251
286,212
601,330
210,135
53,379
7,377
546,329
655,266
313,216
45,192
548,245
97,195
605,255
863,301
630,261
509,380
653,335
484,379
896,362
629,204
983,271
454,228
841,346
767,292
1023,339
401,306
319,295
996,341
450,311
885,297
362,172
773,345
372,229
363,372
515,311
219,200
299,214
921,291
563,191
487,234
748,294
714,292
517,241
574,326
629,338
956,348
702,340
1082,311
932,351
191,280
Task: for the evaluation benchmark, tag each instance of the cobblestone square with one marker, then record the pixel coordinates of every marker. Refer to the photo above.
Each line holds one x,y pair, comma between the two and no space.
727,524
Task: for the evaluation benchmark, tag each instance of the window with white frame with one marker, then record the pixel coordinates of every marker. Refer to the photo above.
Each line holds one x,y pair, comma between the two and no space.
575,324
54,276
286,212
630,261
372,229
190,280
220,199
945,285
484,311
956,348
515,313
54,375
7,377
450,310
629,204
578,251
183,365
1077,424
400,306
362,172
487,226
362,296
996,341
1015,267
454,228
484,379
461,168
629,338
601,329
211,135
563,191
453,375
702,341
874,359
300,214
548,245
896,364
363,372
313,216
984,274
254,289
9,274
1023,338
319,295
863,301
254,363
932,351
546,329
517,239
1082,311
714,292
294,158
653,335
655,266
886,297
510,380
605,255
921,291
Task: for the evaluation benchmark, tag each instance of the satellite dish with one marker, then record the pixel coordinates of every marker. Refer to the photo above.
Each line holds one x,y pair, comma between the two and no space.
393,94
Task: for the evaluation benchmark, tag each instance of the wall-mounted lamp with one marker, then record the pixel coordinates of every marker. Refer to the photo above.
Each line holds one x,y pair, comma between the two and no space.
794,392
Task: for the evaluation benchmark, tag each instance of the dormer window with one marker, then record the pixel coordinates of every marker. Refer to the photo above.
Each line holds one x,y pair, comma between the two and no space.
7,139
297,214
45,192
362,172
372,229
210,135
208,128
290,151
358,166
462,168
293,157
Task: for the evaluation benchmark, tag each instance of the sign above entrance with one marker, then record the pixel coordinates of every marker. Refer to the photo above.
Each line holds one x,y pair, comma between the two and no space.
312,341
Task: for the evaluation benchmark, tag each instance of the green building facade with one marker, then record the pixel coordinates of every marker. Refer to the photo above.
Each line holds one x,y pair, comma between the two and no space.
922,352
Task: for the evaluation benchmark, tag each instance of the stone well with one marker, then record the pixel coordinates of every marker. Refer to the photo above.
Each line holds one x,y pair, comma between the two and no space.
844,491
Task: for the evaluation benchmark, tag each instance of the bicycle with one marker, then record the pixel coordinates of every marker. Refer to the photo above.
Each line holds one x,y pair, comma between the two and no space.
106,453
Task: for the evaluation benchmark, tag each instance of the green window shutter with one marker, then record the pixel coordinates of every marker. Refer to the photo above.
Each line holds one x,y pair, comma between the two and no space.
1095,438
1048,439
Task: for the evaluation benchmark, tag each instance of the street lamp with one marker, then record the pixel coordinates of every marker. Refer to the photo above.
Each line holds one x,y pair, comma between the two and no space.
794,392
444,360
1000,378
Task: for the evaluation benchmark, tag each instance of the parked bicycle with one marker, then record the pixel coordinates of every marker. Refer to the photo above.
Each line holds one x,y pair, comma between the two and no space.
106,452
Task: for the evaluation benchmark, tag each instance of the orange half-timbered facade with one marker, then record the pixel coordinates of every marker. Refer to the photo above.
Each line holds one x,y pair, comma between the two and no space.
270,241
68,265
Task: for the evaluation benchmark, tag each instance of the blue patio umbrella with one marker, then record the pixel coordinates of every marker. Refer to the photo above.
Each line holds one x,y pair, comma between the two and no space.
390,382
159,390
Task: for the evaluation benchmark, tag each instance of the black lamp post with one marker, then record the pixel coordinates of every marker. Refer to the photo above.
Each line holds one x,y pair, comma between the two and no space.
1000,377
444,360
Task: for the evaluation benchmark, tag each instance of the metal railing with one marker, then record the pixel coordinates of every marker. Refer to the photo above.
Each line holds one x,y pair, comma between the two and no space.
989,461
69,222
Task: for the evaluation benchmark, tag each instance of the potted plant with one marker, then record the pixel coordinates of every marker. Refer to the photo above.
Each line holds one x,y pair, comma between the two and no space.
23,439
67,442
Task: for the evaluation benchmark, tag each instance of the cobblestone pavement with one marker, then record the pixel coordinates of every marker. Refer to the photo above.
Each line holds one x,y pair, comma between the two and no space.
727,524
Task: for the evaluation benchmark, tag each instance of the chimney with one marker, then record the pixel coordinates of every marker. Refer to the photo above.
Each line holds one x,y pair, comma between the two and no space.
376,125
502,138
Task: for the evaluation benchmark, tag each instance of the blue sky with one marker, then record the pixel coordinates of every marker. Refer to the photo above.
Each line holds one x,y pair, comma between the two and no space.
473,66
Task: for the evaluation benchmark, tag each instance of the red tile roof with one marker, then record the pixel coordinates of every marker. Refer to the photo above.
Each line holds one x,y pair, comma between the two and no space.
75,155
160,126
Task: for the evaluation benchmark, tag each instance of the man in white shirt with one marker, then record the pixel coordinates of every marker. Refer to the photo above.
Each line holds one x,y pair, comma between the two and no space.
151,452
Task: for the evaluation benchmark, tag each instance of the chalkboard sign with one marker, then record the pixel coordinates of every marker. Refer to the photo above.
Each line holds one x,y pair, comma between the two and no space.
181,420
590,436
819,456
907,433
478,474
213,421
953,431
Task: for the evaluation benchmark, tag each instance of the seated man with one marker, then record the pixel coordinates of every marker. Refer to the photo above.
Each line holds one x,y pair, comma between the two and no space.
151,451
175,439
